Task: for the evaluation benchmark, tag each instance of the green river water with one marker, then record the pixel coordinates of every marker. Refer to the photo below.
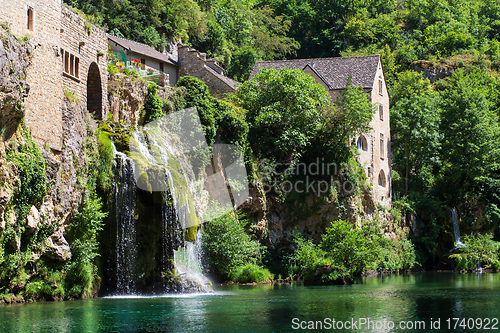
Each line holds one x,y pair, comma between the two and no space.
378,303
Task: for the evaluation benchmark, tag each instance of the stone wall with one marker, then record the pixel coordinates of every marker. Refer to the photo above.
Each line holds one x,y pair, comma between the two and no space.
371,158
43,104
194,63
381,126
90,45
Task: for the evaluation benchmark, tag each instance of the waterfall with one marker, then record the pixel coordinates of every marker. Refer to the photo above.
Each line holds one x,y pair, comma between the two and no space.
456,229
152,209
124,198
187,261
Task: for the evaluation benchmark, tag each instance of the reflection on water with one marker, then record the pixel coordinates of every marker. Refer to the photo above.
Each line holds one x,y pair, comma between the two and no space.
270,308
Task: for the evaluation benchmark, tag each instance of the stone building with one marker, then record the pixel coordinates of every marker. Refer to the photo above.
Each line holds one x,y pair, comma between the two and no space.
146,55
69,54
195,63
367,72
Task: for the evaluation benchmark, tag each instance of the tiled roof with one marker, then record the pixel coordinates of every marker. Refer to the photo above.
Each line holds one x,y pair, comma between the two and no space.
230,82
334,71
141,49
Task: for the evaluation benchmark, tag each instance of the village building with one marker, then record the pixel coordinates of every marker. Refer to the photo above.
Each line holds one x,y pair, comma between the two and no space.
130,51
367,72
69,55
195,63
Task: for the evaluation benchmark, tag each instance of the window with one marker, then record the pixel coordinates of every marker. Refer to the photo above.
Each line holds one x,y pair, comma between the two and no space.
71,64
29,16
381,111
161,67
381,178
361,144
382,147
143,61
380,86
66,61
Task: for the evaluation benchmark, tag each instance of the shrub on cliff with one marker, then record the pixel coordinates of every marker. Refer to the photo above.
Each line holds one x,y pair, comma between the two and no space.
228,247
153,105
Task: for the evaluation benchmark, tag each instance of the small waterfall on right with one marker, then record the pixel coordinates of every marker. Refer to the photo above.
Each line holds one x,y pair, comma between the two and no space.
456,229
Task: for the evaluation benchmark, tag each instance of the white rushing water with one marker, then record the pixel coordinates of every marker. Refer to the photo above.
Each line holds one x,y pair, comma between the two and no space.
124,197
456,229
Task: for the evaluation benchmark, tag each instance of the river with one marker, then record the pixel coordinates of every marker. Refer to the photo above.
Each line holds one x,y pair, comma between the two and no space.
377,304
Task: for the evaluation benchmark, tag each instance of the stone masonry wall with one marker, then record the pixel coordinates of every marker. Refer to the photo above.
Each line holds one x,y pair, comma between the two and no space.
90,45
372,159
381,162
193,63
43,104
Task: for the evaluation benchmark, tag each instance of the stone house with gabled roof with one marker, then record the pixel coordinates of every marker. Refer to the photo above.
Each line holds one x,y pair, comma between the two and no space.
367,72
146,55
195,63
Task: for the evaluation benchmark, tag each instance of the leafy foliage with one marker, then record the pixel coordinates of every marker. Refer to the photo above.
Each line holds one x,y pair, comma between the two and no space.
81,270
228,248
284,112
348,251
478,250
249,273
153,105
32,173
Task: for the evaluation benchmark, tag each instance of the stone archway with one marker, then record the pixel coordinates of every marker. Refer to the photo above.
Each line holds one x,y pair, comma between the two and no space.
94,91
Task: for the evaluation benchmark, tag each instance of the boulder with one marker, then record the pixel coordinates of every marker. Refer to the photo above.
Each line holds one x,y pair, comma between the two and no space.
33,219
57,247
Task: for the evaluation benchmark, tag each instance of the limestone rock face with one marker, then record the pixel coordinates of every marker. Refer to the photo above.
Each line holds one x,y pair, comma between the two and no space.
126,97
14,59
33,219
57,247
8,181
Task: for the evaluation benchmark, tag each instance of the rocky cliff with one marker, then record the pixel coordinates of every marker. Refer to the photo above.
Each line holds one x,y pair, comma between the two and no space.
41,190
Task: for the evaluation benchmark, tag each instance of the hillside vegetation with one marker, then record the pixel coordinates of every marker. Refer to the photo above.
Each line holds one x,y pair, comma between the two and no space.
445,131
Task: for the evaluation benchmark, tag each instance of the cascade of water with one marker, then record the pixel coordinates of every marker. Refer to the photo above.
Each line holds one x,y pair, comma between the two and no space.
159,181
188,266
456,229
124,197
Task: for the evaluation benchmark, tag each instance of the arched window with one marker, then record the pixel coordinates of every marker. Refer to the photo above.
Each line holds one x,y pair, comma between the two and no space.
381,178
362,144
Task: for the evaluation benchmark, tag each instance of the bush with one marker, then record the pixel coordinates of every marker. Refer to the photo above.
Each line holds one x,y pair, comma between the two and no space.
227,246
350,250
249,273
153,104
32,173
478,250
38,289
306,256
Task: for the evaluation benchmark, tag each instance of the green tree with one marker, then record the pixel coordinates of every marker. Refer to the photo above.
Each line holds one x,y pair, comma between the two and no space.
153,105
242,64
415,119
284,112
349,116
471,132
479,249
